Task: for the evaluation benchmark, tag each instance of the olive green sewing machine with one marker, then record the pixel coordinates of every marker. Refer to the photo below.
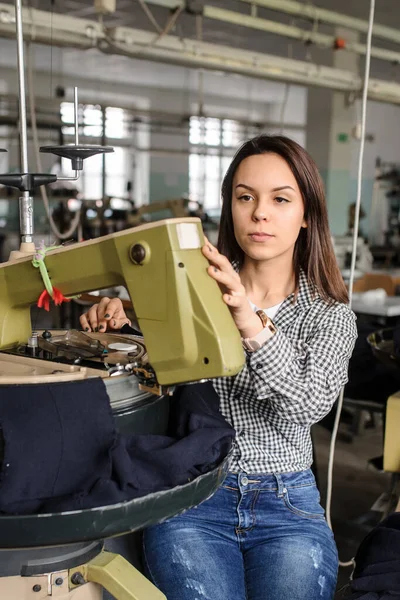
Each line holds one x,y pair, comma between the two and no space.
189,335
188,331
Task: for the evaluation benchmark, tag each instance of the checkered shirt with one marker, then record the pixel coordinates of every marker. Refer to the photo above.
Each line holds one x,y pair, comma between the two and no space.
289,384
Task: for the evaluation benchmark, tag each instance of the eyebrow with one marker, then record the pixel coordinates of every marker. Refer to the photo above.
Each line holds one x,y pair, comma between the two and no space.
277,189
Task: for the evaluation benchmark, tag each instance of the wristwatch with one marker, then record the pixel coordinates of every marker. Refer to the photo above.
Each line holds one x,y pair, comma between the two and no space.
256,342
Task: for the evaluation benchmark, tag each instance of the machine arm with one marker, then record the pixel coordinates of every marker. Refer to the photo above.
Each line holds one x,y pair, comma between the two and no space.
188,330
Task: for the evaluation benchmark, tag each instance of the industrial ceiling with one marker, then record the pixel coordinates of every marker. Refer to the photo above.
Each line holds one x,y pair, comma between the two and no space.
240,36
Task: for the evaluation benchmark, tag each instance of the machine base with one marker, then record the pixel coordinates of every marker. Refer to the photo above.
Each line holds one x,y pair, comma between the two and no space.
44,586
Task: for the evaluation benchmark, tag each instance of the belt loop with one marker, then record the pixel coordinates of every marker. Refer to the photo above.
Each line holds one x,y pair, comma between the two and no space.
280,484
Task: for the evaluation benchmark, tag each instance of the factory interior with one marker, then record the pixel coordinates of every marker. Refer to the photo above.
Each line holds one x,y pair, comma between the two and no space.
119,120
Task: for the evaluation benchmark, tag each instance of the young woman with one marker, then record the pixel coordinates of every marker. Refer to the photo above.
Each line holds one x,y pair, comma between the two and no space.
263,535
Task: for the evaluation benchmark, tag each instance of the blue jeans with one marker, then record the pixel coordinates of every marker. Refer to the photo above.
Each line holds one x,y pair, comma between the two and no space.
260,537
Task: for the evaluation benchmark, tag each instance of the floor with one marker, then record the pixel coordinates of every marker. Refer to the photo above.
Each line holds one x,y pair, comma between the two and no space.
356,487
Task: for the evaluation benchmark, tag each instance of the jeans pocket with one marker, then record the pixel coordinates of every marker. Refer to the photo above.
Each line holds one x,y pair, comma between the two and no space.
304,501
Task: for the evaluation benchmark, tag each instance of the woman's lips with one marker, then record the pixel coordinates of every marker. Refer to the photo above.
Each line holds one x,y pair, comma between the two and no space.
260,237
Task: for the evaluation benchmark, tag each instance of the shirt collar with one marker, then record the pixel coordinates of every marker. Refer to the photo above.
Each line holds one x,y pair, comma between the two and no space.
307,293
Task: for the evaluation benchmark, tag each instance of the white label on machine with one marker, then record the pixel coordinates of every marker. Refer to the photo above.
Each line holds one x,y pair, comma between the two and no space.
188,236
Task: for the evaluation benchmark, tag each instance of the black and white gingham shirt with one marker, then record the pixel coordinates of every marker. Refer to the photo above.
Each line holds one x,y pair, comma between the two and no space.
288,384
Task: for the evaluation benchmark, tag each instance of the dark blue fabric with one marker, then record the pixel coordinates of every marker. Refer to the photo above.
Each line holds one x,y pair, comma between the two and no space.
377,572
56,440
62,451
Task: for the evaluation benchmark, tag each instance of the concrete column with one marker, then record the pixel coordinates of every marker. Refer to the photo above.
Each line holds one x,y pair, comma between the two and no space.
169,167
330,120
169,151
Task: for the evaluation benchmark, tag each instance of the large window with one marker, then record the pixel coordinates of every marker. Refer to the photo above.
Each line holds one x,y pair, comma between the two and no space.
206,172
117,168
212,144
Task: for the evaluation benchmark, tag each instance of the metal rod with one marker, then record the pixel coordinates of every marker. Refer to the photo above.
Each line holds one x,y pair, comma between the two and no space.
22,93
69,178
103,162
76,119
26,217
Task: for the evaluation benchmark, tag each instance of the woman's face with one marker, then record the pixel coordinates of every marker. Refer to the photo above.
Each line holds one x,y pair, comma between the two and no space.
267,207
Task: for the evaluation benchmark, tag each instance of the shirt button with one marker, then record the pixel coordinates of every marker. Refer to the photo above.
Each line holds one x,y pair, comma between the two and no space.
245,481
259,366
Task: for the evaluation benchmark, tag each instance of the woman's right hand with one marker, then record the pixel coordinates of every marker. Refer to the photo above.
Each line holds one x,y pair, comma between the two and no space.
108,314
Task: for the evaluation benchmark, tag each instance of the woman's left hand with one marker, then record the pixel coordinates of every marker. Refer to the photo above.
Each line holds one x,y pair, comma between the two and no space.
234,293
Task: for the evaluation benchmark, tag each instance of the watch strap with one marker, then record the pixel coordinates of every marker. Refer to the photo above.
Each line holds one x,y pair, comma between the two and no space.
256,342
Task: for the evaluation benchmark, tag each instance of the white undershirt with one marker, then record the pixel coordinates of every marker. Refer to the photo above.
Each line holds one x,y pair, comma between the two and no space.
270,312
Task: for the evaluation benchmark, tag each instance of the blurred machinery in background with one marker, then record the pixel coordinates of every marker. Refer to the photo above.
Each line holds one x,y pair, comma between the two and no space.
385,214
343,249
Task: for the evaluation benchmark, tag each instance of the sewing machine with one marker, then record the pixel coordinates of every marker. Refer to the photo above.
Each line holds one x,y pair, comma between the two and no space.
188,331
189,335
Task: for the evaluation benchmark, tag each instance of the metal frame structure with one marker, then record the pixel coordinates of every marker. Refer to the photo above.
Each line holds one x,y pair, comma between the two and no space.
322,40
64,30
26,181
314,13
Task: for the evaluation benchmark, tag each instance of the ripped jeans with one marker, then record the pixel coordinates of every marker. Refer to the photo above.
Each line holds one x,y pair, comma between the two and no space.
260,537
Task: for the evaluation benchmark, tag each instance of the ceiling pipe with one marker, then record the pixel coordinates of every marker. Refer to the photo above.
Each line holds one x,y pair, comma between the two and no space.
314,13
63,30
319,39
290,31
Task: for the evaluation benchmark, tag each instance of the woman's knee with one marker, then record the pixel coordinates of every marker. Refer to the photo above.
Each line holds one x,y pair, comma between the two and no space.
299,568
188,562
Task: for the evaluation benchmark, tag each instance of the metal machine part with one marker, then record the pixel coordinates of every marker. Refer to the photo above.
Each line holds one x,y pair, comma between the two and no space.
61,554
63,543
383,347
189,336
26,181
71,346
59,529
188,330
76,153
29,562
48,555
386,351
79,572
117,355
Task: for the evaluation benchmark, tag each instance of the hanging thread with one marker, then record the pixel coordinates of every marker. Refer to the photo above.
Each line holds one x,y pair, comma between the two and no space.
50,292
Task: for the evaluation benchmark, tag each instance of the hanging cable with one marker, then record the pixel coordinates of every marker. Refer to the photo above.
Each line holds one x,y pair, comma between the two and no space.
200,89
171,22
150,15
168,26
283,108
32,106
353,257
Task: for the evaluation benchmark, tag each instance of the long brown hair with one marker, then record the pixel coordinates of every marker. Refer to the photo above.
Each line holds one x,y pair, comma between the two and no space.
313,251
